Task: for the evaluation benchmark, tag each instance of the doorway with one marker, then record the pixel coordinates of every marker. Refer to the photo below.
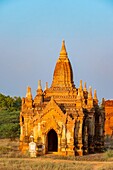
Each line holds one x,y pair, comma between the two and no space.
52,141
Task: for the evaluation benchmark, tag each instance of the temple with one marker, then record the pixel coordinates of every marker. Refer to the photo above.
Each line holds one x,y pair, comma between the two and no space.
62,119
109,118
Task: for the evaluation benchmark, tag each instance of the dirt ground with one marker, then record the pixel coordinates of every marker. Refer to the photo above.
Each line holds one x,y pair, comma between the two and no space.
12,159
89,165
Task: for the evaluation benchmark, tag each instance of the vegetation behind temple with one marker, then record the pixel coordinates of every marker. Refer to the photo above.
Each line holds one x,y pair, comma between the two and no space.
9,116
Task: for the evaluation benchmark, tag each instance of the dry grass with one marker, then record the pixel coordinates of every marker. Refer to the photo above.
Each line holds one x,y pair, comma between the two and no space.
38,165
9,149
12,159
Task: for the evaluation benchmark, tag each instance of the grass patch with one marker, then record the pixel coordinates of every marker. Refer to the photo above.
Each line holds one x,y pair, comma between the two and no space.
106,167
91,157
12,159
109,153
37,165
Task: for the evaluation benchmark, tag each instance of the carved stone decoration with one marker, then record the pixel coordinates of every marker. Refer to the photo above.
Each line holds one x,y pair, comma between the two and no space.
62,118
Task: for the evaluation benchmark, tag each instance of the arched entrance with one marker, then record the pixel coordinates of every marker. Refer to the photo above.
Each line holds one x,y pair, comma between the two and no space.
52,141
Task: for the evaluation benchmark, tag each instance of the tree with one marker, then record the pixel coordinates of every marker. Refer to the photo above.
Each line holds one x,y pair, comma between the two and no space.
9,116
10,103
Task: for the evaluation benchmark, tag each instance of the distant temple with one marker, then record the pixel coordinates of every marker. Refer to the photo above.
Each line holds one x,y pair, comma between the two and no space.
109,117
63,118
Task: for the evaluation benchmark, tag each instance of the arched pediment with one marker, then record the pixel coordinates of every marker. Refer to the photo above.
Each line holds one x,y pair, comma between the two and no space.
57,129
51,123
53,111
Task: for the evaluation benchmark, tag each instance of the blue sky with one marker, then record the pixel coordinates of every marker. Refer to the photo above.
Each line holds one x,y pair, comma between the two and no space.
31,33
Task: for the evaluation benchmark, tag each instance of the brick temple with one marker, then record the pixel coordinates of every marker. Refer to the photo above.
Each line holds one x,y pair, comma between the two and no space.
109,118
62,119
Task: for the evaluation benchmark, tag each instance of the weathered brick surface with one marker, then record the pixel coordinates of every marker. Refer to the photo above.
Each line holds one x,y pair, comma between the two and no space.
109,117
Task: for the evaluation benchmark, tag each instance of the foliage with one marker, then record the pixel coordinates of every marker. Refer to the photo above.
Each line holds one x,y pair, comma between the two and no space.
10,103
9,116
9,124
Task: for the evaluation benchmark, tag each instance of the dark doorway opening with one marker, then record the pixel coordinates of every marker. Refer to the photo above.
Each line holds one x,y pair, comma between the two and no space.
52,141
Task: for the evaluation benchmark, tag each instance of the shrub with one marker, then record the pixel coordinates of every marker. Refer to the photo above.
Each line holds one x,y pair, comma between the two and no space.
109,154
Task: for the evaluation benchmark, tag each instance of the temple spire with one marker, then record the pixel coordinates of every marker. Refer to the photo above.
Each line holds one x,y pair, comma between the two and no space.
79,95
80,85
39,89
63,73
85,88
90,98
46,87
28,94
39,85
95,97
28,99
90,93
63,52
95,94
39,97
